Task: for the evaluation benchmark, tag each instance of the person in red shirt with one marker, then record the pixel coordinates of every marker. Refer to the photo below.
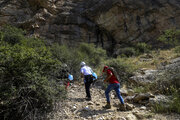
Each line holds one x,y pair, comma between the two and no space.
113,85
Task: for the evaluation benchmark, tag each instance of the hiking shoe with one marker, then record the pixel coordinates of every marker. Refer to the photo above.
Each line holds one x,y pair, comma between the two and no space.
88,99
107,106
122,107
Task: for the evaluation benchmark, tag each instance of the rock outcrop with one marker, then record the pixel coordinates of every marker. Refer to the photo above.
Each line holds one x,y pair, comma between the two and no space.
107,23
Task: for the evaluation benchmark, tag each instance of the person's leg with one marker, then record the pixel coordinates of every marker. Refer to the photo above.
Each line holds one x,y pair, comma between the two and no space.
117,89
122,106
87,87
108,90
67,84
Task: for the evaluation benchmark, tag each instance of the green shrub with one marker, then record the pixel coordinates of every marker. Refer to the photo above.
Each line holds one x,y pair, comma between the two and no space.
160,108
73,56
145,88
175,104
27,87
123,67
11,35
134,50
170,37
177,50
142,48
127,52
168,82
67,56
171,106
93,56
169,77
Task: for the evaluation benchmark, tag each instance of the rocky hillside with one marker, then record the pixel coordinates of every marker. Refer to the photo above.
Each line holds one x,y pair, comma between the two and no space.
106,23
139,105
77,108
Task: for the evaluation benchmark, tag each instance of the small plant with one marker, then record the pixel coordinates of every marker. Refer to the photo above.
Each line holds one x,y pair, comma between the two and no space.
142,47
168,83
171,106
175,105
127,52
160,108
177,50
170,37
94,56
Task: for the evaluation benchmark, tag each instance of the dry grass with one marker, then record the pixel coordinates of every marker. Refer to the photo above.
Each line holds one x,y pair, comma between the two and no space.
153,59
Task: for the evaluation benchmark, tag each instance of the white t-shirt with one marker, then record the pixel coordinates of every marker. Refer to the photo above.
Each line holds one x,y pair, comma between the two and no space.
86,70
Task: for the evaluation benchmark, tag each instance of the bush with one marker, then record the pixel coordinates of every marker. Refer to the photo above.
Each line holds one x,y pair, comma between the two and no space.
168,82
144,89
93,56
127,52
27,87
170,37
11,35
142,48
73,56
67,56
177,50
167,78
123,67
171,106
134,50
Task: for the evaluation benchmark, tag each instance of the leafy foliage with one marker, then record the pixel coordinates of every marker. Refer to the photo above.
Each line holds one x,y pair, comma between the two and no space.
170,37
177,50
127,52
73,56
11,35
171,106
134,49
142,47
168,82
26,82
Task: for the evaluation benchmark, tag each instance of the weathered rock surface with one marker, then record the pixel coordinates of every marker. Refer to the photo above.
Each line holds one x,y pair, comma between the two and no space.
159,99
144,77
169,71
107,23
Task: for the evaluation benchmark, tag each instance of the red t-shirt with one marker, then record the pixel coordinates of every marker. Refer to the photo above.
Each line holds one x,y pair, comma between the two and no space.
112,79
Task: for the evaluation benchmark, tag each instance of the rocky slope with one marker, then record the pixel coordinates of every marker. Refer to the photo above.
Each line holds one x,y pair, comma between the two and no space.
107,23
76,108
138,105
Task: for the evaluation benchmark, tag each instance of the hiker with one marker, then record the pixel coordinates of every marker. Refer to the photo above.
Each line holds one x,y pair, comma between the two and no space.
64,74
114,84
86,74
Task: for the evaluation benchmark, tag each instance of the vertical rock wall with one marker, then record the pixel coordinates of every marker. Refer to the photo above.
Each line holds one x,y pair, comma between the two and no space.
106,23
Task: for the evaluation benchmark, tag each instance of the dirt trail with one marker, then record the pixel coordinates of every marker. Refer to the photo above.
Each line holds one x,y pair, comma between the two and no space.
77,108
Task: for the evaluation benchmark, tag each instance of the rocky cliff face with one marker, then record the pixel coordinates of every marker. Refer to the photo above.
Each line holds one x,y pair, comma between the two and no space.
107,23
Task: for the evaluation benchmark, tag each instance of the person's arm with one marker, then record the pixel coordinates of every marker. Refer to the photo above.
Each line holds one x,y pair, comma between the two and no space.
82,71
108,77
82,75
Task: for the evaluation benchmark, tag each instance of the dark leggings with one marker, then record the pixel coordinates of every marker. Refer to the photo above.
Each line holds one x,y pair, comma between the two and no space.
88,81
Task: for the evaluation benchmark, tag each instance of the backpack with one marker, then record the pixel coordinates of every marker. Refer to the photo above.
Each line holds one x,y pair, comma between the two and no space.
114,72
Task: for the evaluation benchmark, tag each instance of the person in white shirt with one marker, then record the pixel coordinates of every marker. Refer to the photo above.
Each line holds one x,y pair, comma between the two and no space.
86,73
